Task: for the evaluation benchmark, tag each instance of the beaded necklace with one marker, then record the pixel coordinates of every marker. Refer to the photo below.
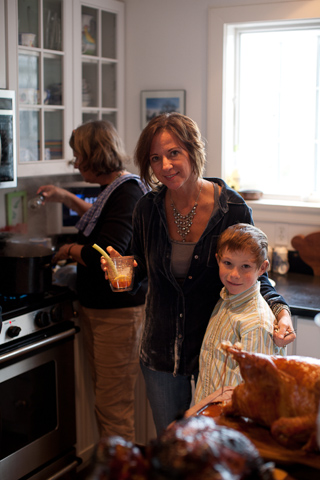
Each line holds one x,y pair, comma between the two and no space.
184,222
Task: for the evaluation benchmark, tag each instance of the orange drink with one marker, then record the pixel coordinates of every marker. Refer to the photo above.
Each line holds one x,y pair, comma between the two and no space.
122,279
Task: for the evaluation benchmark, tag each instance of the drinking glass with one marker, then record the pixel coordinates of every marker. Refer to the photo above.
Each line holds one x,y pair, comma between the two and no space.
122,279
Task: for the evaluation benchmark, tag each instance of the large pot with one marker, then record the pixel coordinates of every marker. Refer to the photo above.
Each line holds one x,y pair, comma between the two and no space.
25,269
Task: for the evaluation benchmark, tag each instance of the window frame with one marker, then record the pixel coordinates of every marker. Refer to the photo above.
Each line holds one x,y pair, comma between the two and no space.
223,22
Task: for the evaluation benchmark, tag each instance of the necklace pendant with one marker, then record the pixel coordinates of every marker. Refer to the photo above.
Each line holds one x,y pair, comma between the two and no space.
184,222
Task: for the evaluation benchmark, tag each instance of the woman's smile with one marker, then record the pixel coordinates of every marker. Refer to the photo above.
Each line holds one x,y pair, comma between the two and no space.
169,161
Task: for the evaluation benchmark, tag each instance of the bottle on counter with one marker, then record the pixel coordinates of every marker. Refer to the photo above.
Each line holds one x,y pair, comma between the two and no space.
280,262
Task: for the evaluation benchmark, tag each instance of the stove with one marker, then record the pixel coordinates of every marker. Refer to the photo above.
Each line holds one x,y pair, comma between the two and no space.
37,402
16,305
24,315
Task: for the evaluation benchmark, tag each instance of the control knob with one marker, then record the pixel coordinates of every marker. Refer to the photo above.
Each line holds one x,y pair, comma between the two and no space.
13,331
56,313
42,319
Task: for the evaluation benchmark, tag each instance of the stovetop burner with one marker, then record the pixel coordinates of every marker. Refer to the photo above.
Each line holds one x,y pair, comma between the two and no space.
15,305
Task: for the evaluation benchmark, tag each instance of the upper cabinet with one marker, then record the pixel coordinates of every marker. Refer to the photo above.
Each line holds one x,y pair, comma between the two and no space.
67,68
99,61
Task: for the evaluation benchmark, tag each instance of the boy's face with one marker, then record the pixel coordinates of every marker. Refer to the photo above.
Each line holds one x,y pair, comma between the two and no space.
238,270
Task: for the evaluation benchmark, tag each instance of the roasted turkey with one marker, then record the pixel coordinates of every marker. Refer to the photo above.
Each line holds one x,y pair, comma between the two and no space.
195,448
282,393
117,459
192,448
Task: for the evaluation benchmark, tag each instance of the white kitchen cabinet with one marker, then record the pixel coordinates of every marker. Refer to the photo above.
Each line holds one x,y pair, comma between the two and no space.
3,66
307,343
40,41
99,61
61,82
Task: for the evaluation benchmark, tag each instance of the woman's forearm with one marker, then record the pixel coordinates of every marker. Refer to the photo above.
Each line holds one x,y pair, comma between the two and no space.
75,203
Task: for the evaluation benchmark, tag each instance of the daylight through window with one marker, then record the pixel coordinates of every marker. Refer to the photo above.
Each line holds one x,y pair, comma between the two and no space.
274,145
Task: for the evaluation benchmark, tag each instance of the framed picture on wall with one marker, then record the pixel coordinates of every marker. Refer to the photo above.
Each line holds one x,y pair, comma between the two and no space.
155,102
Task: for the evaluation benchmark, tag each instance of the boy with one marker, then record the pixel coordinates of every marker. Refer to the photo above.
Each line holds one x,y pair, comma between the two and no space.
241,314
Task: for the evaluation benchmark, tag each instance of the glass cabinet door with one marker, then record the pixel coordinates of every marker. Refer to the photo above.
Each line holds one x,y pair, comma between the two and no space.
101,62
40,80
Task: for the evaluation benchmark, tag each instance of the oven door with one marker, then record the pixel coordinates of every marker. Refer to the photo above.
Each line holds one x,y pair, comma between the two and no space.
37,406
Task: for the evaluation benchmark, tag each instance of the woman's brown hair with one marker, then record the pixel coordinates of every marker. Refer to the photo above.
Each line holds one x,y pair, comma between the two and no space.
188,135
99,147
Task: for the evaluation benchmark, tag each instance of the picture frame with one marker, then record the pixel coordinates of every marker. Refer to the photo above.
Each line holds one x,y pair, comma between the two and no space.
155,102
16,208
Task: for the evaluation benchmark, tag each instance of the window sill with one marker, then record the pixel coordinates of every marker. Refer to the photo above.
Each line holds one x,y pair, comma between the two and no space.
286,211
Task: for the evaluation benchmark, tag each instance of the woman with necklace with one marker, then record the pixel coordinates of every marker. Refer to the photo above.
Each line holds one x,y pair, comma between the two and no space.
111,323
175,233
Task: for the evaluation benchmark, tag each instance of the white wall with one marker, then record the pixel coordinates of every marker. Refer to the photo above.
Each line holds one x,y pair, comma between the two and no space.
166,48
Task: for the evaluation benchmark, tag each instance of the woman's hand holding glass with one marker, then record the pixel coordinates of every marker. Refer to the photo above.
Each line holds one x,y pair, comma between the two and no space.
120,277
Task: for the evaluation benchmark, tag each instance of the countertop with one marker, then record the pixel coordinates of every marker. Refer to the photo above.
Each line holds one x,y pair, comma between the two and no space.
301,292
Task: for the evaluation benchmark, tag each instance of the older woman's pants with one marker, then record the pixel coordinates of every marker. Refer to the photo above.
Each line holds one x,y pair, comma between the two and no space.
112,339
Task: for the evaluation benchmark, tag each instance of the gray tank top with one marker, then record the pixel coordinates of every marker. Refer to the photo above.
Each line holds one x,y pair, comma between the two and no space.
182,251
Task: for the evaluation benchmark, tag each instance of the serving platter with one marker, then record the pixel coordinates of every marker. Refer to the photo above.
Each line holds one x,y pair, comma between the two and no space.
260,436
300,464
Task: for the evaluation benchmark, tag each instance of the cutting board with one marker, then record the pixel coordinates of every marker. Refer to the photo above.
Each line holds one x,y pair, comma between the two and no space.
309,250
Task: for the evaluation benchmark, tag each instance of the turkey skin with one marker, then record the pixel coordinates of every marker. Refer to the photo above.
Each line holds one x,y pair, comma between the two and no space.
282,393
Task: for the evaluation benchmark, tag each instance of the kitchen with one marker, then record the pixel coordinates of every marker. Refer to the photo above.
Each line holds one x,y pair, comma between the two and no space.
156,57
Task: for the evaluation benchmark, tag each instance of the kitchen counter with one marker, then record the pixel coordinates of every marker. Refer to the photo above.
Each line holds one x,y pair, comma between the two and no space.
301,292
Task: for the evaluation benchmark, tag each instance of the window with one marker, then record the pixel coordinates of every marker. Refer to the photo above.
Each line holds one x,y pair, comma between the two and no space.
276,111
269,112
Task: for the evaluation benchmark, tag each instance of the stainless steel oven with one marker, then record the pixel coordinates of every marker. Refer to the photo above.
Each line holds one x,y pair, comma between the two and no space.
37,399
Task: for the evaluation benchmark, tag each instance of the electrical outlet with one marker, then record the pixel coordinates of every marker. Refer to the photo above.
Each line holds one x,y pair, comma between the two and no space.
281,234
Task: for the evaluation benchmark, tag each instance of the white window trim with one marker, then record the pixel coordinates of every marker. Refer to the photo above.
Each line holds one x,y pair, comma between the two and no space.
219,19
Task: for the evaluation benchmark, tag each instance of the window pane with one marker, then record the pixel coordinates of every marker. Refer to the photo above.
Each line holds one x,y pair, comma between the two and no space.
52,80
108,35
29,136
89,84
89,116
52,31
28,23
28,79
53,135
89,31
110,117
278,109
109,85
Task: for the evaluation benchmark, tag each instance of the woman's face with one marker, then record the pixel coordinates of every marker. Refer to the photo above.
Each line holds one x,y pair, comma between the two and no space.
170,162
87,175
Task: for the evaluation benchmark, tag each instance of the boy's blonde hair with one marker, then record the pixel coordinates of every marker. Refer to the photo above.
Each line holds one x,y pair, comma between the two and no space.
243,236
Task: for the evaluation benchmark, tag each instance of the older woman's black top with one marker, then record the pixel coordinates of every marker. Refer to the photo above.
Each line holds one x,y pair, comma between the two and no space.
113,228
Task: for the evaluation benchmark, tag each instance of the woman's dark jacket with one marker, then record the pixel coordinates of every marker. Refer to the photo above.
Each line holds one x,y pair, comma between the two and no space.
177,316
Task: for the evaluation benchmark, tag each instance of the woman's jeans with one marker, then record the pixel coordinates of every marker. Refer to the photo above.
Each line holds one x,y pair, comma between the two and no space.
169,396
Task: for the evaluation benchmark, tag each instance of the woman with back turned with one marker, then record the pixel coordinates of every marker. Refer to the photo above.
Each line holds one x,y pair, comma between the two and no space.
111,322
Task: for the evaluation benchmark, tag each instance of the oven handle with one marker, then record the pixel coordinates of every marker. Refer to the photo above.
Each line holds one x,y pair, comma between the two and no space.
36,345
